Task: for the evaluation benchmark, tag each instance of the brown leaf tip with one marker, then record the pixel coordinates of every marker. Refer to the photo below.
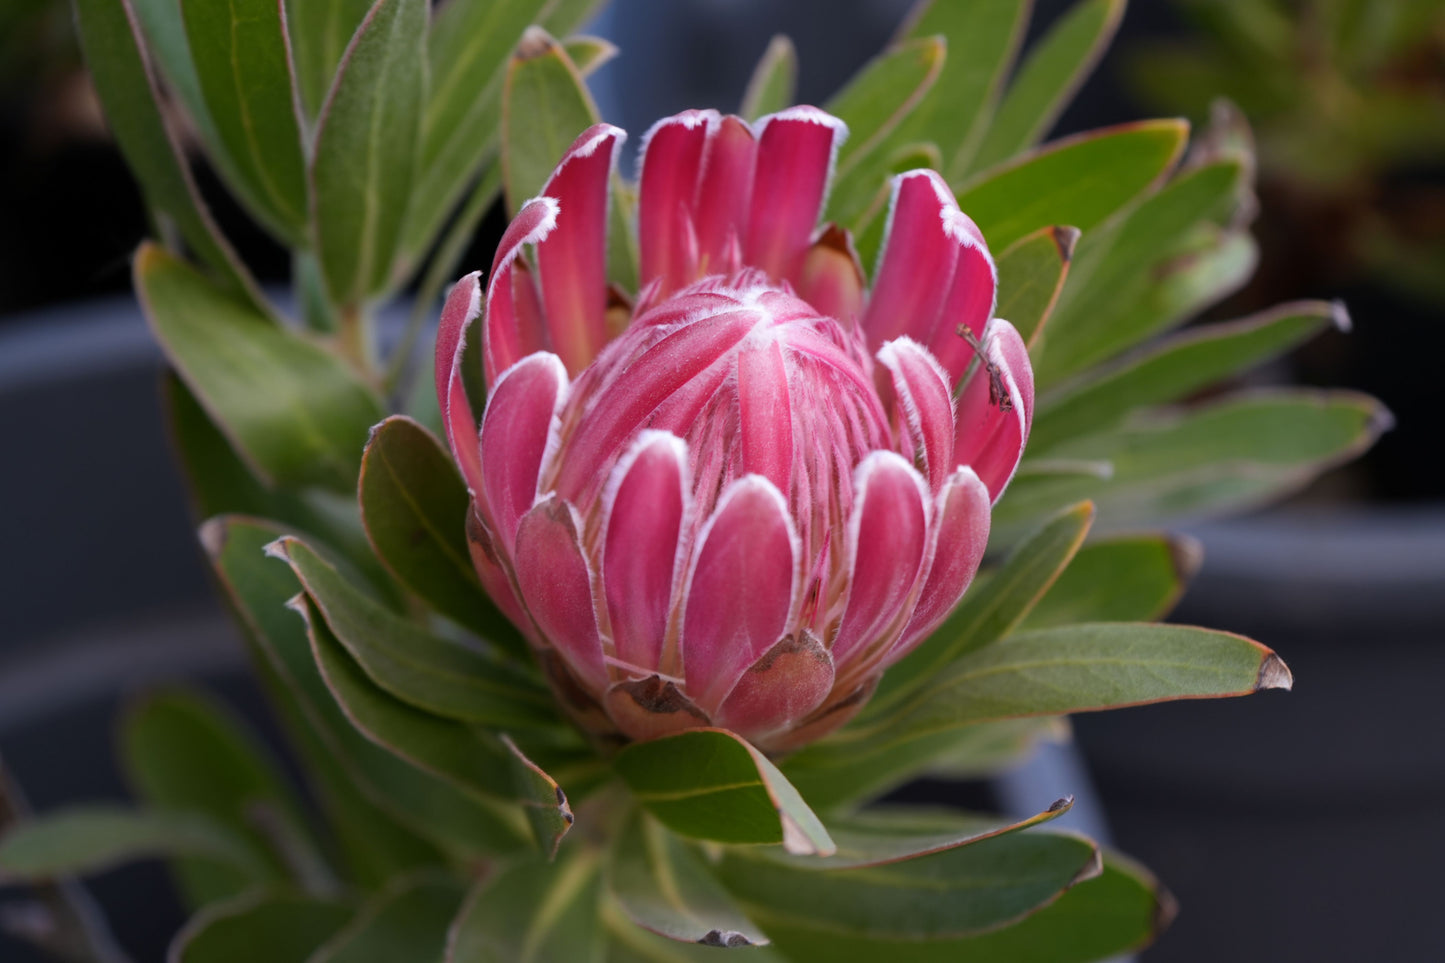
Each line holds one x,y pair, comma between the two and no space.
1273,674
1093,869
1166,907
1340,316
1187,555
535,43
1060,805
1065,238
725,938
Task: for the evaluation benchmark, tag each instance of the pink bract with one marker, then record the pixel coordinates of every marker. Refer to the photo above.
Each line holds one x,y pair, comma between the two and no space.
770,483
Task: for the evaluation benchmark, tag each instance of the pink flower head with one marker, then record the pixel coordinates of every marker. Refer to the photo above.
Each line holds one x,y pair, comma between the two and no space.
736,500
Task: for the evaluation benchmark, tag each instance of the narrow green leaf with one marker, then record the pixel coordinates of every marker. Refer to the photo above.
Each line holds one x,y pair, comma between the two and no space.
983,38
243,63
1176,368
320,33
1126,578
545,105
416,805
1077,668
667,889
1079,180
414,505
873,104
402,658
366,147
989,611
937,896
1221,456
296,414
120,69
164,28
710,784
92,839
548,812
1056,66
1031,274
183,752
774,81
533,912
408,921
833,778
1114,267
589,53
279,928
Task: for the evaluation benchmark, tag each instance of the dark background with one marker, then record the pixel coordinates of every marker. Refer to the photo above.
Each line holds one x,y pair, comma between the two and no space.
1291,827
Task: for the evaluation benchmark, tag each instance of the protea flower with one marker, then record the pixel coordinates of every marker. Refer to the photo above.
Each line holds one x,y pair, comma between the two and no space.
738,499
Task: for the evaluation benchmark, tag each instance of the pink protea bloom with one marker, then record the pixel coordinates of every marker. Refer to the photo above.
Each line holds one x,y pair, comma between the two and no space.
737,500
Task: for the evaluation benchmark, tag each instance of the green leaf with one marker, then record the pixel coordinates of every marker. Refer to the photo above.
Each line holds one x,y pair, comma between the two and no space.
436,675
710,784
366,147
589,53
835,779
1056,66
774,82
320,33
1116,266
629,943
243,64
183,752
545,106
1176,368
1079,180
991,610
1127,578
408,921
1076,668
279,928
533,912
983,38
1031,274
402,803
415,505
1220,456
662,886
296,414
873,104
119,68
95,838
941,895
548,812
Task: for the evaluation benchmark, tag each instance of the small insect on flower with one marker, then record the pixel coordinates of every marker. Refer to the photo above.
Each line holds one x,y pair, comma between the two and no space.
774,481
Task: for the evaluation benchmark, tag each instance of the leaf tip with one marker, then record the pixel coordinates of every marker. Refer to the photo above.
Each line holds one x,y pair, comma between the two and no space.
535,43
1061,805
1186,554
727,938
1340,316
1273,674
1166,907
212,536
1381,420
1065,239
1092,869
278,548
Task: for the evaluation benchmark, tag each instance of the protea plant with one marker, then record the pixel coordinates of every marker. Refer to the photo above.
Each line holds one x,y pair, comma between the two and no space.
745,504
633,665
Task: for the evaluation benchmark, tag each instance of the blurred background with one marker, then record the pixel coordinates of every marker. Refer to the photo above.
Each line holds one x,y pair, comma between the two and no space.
1305,826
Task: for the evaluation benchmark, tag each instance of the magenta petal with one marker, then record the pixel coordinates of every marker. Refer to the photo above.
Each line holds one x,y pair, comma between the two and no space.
462,306
739,596
831,279
925,399
502,338
672,153
887,537
572,260
517,431
556,586
970,301
664,370
788,682
996,408
643,517
915,270
960,537
498,584
796,150
723,192
765,411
